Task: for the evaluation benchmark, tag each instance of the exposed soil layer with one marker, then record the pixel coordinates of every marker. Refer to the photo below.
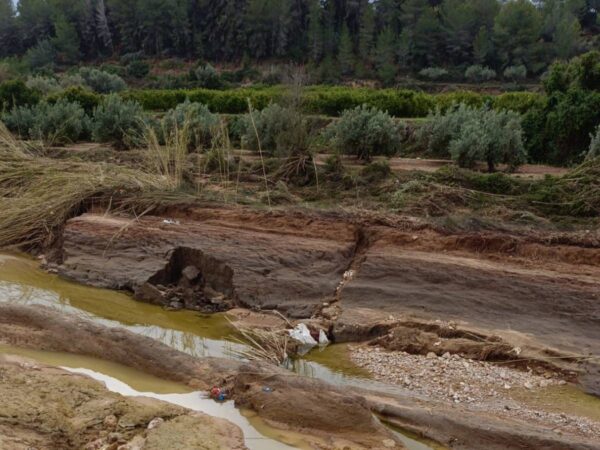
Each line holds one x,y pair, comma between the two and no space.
293,272
48,408
544,287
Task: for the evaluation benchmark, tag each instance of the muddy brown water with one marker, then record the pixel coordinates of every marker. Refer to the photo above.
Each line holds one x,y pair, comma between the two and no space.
23,282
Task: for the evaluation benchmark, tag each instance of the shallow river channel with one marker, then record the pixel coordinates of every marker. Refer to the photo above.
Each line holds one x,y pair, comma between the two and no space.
21,281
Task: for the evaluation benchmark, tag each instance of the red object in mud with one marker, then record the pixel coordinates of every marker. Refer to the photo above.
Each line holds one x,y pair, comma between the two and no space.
215,392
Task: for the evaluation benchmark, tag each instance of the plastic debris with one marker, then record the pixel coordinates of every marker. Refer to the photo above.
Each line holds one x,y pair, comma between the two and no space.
301,333
218,394
267,389
171,222
323,339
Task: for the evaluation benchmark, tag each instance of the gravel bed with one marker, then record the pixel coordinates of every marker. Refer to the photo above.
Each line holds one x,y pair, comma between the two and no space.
475,385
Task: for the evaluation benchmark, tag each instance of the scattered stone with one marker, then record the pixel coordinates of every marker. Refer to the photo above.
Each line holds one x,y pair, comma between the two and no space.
110,421
156,422
150,293
190,273
388,443
114,437
478,385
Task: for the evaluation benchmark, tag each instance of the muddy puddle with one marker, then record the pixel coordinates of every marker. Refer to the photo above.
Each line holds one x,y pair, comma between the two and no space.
22,282
130,382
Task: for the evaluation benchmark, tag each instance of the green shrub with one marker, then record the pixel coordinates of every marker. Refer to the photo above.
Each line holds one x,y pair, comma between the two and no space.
70,80
478,74
365,132
207,77
520,102
58,123
471,134
44,85
43,55
376,171
491,136
138,69
102,82
232,101
16,93
274,127
197,117
119,122
515,73
441,127
333,100
88,100
114,69
128,58
448,100
433,73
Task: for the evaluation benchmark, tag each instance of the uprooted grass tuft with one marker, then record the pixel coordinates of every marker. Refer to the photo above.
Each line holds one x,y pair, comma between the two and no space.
37,194
262,345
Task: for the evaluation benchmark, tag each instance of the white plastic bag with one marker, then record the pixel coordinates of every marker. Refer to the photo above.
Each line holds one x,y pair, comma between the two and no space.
301,334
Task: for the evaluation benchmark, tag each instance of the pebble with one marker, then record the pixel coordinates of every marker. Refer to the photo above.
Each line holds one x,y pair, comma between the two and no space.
156,422
110,421
479,385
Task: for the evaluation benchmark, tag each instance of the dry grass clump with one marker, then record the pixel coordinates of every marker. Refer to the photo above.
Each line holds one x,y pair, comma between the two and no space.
37,194
262,345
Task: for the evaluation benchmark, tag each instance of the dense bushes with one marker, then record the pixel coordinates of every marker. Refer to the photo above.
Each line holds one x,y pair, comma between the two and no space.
234,101
119,122
333,101
200,122
87,99
471,134
58,123
520,102
365,132
138,69
276,128
558,130
478,74
207,77
16,93
494,137
327,100
102,82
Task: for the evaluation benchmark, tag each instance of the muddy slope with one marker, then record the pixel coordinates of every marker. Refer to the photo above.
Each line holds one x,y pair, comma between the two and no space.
294,271
295,262
45,407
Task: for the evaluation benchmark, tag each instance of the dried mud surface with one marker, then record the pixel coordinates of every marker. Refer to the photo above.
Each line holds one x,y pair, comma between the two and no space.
42,407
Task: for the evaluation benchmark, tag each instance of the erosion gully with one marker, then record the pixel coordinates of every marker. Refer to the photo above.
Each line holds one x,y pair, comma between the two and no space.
22,281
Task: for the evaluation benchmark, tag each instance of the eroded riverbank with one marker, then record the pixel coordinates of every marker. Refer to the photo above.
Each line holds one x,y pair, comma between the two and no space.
334,363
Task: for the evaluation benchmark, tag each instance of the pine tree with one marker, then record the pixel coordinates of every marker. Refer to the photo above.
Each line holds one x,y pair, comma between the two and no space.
365,36
9,38
345,53
385,57
66,40
566,36
315,31
483,47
